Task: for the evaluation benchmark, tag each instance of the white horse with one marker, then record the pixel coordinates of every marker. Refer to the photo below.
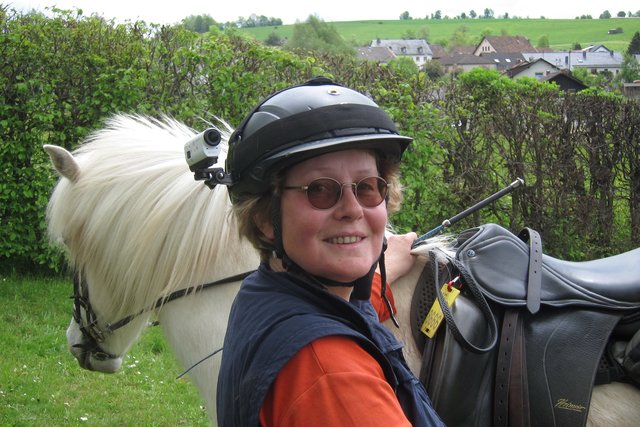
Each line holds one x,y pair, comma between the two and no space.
137,227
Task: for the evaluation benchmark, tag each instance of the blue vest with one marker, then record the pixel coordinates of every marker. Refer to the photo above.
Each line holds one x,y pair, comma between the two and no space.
273,317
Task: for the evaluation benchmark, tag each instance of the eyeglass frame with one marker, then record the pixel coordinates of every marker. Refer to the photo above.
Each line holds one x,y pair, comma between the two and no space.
354,189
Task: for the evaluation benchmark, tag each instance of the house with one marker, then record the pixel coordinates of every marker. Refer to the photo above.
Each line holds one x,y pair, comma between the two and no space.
504,61
437,51
536,69
594,62
631,90
503,44
596,48
546,72
457,63
416,49
494,53
378,54
565,81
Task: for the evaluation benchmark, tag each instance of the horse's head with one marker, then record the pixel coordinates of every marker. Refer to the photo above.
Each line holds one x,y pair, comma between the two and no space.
85,336
136,227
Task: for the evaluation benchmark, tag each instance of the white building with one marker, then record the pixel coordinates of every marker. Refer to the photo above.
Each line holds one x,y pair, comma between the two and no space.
595,59
418,50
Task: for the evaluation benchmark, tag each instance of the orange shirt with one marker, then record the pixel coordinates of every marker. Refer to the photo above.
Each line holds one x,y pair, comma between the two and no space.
333,382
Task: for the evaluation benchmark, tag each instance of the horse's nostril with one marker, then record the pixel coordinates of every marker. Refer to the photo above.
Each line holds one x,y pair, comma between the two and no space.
101,356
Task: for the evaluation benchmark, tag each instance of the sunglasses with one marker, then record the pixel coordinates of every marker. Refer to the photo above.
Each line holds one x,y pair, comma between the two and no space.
325,193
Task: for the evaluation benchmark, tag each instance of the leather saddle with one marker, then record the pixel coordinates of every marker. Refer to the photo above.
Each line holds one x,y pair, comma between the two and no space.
524,340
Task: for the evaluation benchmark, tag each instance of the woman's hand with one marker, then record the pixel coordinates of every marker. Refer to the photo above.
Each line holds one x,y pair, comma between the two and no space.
398,259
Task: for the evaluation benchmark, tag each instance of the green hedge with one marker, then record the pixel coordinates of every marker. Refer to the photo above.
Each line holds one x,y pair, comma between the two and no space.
62,76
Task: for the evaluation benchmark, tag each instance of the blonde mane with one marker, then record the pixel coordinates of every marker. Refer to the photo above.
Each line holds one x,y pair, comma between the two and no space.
136,223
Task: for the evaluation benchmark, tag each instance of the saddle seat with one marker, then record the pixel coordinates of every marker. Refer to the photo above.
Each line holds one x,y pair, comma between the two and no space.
498,260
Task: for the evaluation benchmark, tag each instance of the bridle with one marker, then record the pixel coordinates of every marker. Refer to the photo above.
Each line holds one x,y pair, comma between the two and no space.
93,335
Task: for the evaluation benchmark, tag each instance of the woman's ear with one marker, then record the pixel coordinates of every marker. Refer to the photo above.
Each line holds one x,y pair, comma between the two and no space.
265,226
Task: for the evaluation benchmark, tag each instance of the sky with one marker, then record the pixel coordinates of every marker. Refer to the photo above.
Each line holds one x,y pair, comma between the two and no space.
292,11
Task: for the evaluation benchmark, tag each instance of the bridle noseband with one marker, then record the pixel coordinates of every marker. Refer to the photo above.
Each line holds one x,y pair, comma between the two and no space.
88,323
87,320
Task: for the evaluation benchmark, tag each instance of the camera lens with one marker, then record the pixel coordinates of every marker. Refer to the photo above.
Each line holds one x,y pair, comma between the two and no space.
212,137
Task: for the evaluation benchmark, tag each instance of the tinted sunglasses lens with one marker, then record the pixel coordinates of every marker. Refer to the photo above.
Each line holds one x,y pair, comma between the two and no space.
371,191
324,193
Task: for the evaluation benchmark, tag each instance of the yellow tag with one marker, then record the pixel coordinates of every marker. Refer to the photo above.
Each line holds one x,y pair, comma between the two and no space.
434,317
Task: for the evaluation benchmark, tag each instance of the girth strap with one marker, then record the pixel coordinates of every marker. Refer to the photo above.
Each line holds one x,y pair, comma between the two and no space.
511,389
534,279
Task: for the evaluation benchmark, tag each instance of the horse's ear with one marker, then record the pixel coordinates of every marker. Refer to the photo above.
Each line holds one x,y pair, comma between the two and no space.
63,162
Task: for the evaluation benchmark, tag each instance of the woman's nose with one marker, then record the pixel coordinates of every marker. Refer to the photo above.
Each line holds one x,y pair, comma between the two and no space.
348,205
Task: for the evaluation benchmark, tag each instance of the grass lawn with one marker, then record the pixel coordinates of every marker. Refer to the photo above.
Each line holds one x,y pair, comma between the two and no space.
42,384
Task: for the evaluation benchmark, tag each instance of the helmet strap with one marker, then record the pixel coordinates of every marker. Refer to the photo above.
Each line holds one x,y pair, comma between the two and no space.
276,223
383,277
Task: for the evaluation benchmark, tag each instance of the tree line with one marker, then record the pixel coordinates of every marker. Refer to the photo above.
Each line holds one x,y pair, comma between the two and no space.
63,76
203,23
488,13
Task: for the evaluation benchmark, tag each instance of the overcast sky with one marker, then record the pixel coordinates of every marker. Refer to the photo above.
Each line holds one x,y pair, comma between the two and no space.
290,11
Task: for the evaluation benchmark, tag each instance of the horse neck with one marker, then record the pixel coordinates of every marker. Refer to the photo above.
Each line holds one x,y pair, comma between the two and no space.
195,327
403,291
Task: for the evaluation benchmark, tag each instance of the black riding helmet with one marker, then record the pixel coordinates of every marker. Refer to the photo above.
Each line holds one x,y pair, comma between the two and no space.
300,122
304,121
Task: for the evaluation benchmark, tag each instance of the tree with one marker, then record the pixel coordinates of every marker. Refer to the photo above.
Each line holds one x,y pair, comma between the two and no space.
437,15
433,69
315,35
274,39
404,16
404,66
621,14
630,69
460,37
409,35
472,14
576,46
488,13
258,21
634,44
605,15
199,23
543,41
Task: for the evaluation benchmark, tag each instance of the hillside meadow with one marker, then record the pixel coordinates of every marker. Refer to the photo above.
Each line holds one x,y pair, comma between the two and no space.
561,33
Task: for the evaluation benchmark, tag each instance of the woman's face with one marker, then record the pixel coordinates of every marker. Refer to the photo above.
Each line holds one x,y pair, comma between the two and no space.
340,243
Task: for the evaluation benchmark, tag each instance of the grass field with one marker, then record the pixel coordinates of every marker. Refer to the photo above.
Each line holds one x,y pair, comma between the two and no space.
562,33
42,384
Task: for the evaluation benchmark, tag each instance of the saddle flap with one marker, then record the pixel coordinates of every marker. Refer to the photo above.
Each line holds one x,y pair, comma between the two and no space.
499,262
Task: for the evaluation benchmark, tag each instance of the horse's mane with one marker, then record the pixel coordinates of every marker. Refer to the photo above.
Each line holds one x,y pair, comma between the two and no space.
136,223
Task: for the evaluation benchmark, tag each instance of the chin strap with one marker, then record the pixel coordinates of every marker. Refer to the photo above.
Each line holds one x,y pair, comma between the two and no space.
276,223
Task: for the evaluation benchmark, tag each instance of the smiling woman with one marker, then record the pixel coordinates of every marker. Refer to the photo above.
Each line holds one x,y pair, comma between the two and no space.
303,337
41,384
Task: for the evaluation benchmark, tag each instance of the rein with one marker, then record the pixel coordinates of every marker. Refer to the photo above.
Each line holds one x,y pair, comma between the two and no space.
173,296
92,331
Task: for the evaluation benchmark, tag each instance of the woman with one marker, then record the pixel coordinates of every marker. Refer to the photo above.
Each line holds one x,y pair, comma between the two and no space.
314,171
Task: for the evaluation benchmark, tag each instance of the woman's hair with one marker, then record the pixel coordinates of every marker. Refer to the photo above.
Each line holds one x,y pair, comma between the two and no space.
251,209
